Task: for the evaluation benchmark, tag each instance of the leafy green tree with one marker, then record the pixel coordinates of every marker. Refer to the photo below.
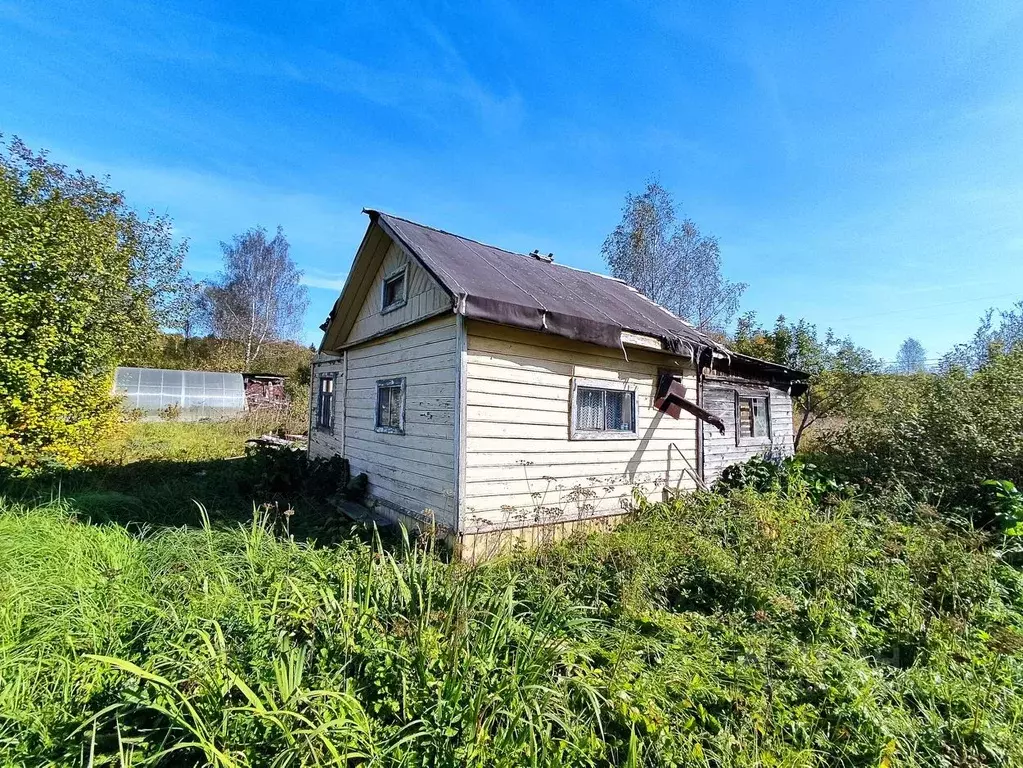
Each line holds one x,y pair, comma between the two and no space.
941,437
84,282
839,370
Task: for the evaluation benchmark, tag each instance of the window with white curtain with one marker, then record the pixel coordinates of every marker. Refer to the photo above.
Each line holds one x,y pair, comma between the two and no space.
602,410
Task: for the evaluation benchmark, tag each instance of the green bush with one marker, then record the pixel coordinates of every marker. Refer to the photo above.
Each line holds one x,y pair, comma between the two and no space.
940,437
793,475
82,278
752,629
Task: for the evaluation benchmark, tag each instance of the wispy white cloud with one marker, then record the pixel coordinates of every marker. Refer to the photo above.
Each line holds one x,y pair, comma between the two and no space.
433,80
208,208
314,279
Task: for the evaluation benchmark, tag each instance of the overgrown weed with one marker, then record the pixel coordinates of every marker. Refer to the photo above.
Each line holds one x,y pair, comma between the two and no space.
755,629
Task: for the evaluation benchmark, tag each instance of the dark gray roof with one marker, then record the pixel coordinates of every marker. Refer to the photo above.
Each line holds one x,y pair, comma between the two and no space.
495,285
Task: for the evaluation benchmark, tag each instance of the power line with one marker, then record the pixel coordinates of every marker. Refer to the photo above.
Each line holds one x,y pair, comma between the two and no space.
927,306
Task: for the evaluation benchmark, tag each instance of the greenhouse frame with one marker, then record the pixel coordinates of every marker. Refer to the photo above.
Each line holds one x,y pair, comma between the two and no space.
181,395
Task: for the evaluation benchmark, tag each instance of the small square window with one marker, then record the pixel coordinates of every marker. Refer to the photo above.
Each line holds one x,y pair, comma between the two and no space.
602,412
390,412
752,419
325,402
393,292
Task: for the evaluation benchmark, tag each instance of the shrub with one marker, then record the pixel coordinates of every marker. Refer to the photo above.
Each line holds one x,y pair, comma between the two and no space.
82,278
941,436
793,475
746,630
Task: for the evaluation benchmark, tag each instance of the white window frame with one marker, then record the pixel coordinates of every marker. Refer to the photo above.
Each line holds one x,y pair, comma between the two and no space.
741,439
386,429
609,385
397,303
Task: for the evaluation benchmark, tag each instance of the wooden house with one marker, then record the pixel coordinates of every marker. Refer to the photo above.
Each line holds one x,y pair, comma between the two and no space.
501,396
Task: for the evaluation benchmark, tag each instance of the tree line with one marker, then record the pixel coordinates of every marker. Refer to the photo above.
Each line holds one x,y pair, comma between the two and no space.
88,283
666,256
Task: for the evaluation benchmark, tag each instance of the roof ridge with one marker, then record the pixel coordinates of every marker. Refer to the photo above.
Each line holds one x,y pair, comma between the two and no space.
495,247
442,231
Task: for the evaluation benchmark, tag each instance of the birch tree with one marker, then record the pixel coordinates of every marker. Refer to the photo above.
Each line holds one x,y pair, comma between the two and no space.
912,357
258,297
1000,332
671,261
189,310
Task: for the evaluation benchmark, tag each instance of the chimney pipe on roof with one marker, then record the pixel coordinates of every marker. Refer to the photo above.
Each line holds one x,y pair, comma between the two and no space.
537,255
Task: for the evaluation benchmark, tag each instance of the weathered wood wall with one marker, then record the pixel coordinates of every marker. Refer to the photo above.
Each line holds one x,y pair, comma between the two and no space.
521,466
423,297
414,471
326,442
720,450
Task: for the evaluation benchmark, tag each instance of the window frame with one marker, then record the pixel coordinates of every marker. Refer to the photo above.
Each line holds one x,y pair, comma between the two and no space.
752,396
329,425
608,385
401,273
383,428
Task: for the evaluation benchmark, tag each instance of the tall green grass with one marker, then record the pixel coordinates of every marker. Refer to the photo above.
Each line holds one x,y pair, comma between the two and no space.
752,630
155,474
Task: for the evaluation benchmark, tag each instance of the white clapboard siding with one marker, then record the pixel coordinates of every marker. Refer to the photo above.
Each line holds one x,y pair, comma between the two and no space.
521,466
424,298
720,450
414,471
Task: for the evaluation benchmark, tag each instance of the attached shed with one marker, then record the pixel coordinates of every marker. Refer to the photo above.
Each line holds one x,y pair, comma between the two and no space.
265,391
498,395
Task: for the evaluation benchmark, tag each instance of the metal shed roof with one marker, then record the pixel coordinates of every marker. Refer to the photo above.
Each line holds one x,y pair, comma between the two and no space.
493,284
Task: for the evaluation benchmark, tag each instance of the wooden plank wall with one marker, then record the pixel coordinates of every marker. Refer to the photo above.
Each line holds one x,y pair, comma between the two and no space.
324,443
424,298
720,450
521,467
414,471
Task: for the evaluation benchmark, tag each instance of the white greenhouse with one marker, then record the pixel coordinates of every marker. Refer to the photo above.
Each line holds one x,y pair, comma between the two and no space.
181,395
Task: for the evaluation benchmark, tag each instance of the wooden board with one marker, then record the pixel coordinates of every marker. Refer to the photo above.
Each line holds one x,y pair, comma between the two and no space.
720,450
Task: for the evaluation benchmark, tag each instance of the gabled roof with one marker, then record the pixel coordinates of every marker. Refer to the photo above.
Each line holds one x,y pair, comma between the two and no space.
499,286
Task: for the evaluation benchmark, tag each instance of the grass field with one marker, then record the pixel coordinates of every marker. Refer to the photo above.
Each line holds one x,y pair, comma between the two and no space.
178,441
149,617
749,630
158,474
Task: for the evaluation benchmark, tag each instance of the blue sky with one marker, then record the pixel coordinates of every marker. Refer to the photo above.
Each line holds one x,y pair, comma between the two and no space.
861,163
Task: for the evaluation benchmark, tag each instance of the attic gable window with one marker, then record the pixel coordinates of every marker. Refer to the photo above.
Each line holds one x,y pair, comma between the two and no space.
752,418
602,410
393,291
390,410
